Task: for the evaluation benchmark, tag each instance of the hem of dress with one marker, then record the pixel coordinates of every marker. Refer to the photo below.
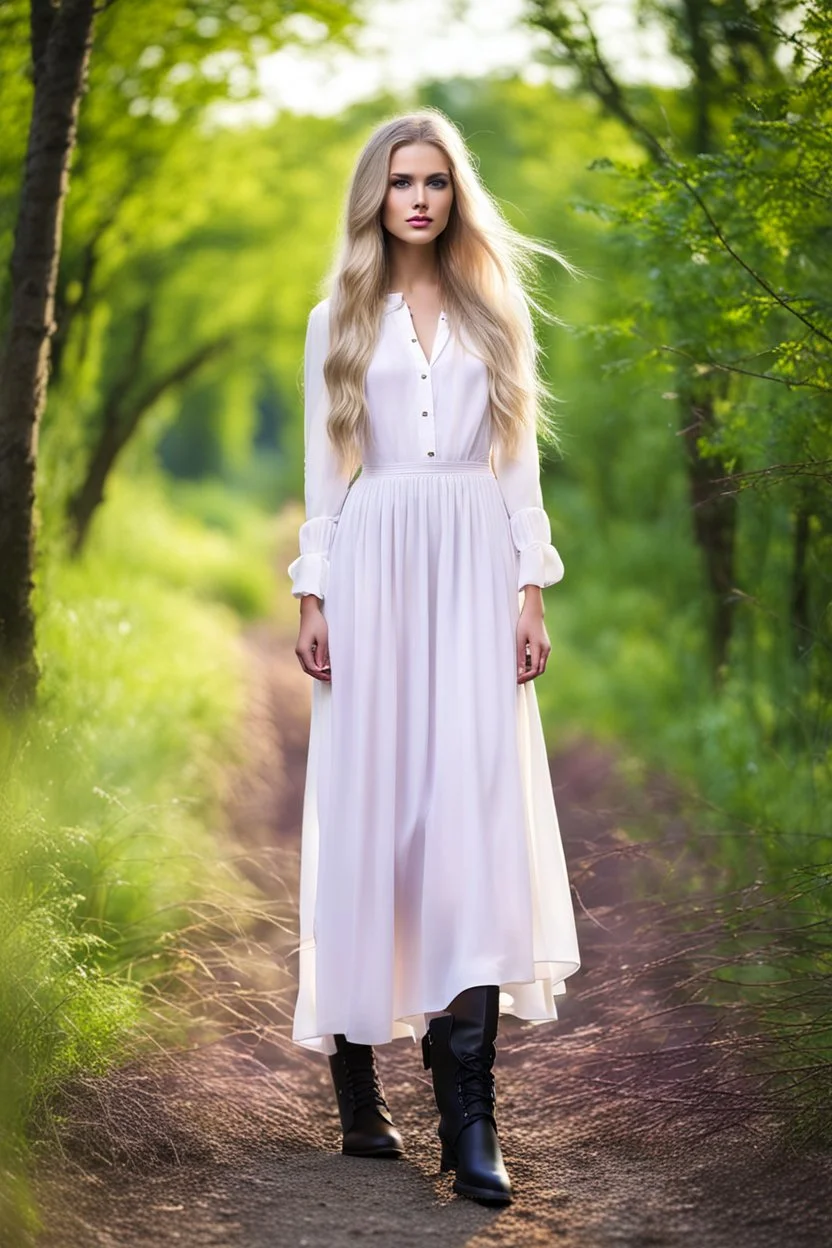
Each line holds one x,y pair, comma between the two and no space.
413,1025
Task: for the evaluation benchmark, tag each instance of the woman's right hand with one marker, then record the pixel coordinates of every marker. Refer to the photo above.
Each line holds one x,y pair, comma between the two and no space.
313,639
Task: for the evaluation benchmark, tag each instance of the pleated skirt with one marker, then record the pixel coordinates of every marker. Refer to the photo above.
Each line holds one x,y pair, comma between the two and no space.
431,855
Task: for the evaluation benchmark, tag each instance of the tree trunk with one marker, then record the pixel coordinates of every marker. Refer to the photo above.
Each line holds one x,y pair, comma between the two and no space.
694,18
801,633
714,524
61,45
66,314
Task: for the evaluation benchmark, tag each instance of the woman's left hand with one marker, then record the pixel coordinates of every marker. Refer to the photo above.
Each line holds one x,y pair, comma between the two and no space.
533,645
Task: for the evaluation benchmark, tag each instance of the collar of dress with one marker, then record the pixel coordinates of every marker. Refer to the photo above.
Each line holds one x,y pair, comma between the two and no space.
396,303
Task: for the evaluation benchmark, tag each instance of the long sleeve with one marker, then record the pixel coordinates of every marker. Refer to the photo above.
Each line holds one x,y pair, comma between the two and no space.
325,484
519,481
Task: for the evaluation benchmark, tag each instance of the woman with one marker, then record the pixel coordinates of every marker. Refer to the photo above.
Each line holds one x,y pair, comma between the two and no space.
434,893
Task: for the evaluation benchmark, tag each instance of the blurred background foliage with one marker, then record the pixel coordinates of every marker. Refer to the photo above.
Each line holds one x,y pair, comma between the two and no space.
691,504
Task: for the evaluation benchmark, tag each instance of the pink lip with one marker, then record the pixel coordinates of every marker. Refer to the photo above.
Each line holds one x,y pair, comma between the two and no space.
419,220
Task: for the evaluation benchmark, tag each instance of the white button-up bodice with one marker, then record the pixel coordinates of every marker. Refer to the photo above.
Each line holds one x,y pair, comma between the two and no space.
441,404
421,410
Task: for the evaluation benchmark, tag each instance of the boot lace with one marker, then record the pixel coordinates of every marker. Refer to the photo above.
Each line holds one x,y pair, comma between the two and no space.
364,1086
475,1085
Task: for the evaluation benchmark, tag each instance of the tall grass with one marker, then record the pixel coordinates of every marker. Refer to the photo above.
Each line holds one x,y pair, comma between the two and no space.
111,792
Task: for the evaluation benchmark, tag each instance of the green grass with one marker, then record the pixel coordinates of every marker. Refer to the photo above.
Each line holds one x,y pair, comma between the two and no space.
111,810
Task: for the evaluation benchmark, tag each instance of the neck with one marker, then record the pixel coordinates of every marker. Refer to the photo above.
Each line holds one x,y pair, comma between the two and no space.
411,268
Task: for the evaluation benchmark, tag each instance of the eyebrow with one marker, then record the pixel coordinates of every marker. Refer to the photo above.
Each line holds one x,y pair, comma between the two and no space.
441,173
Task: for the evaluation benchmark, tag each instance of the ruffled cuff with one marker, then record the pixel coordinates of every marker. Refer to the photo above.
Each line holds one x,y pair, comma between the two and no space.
539,562
310,575
310,571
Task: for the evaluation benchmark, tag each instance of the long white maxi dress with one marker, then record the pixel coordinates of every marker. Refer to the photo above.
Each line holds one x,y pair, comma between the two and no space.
431,858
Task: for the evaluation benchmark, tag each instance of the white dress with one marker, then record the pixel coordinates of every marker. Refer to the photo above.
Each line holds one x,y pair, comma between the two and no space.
431,857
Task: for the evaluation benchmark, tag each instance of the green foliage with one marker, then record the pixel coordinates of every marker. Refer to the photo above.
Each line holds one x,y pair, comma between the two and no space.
159,200
726,271
721,251
250,196
110,817
59,1010
154,75
182,538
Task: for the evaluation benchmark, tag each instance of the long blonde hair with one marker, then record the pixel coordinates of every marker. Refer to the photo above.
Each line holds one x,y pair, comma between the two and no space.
486,274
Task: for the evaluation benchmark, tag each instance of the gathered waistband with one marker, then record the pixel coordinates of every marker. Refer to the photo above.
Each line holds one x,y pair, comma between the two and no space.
431,465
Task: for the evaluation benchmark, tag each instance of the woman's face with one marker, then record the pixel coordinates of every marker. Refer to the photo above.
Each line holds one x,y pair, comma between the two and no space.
419,193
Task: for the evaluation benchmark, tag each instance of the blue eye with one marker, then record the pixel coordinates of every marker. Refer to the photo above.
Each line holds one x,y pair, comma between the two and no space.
440,183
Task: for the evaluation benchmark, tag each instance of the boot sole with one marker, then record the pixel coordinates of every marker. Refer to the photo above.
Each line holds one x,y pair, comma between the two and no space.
483,1194
391,1153
488,1195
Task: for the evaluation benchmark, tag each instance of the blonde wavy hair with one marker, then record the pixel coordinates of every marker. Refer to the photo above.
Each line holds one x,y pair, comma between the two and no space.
486,274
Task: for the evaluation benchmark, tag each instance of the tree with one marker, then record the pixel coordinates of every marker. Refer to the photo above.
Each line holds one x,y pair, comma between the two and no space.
149,47
727,49
124,408
61,42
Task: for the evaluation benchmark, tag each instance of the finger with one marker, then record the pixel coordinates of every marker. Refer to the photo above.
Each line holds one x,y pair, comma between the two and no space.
322,658
521,653
321,671
310,666
324,672
536,661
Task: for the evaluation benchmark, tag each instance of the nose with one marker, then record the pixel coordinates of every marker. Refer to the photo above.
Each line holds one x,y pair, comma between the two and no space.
420,199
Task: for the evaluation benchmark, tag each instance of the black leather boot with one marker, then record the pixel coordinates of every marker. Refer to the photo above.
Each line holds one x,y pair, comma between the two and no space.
459,1051
365,1117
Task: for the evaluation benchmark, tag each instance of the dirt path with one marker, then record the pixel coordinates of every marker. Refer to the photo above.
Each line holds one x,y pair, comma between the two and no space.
625,1123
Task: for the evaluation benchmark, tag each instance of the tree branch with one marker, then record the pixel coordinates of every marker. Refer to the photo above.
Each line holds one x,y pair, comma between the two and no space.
723,367
122,417
820,469
591,64
784,302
